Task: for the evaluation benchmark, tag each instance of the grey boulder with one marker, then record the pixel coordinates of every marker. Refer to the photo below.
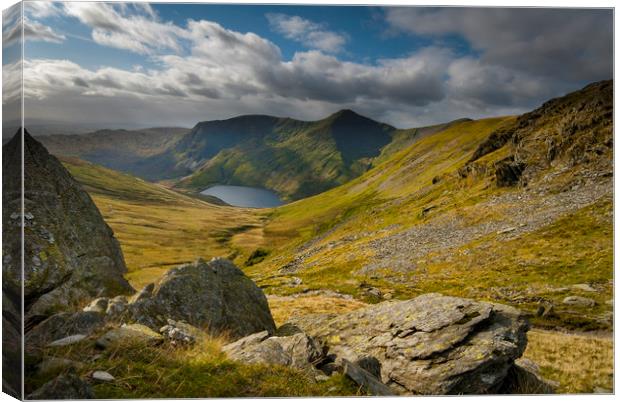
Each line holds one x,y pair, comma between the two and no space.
214,295
432,344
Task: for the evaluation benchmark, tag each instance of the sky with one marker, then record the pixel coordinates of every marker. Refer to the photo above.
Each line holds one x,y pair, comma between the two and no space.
148,64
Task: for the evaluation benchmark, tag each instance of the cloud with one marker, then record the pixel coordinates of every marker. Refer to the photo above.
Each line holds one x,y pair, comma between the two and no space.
42,9
312,35
134,27
32,31
202,70
568,44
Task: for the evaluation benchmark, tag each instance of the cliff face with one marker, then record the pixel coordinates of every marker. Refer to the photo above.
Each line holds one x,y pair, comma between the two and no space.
70,253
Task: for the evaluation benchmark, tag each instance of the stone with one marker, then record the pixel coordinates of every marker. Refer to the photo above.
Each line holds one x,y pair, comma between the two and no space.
69,340
363,378
129,334
84,260
432,344
116,307
181,333
545,309
583,287
55,364
65,386
99,305
321,378
102,376
62,325
298,350
579,301
215,295
601,390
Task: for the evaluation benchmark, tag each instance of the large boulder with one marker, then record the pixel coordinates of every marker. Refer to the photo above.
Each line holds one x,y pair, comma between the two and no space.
432,344
70,253
214,295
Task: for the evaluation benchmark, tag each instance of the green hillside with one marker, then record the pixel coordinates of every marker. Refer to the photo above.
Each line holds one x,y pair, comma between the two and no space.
434,218
294,158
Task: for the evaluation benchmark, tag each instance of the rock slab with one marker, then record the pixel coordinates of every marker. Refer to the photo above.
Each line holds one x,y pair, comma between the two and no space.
433,344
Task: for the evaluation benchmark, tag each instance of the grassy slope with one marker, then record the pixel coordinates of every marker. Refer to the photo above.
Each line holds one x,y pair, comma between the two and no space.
159,228
329,235
199,371
332,233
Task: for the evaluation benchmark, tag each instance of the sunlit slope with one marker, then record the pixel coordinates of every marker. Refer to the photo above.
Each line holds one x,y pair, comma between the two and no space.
159,228
428,220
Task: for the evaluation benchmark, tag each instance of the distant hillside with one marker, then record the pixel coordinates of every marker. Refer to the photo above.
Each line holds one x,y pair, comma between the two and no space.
115,149
295,158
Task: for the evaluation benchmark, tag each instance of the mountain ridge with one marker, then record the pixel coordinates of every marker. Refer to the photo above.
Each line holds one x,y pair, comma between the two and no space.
295,158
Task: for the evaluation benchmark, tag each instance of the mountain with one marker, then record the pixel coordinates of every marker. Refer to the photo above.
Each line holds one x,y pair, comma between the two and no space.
292,157
116,149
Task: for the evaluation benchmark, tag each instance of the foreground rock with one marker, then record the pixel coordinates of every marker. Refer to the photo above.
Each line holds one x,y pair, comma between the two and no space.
432,344
213,294
298,350
70,252
65,386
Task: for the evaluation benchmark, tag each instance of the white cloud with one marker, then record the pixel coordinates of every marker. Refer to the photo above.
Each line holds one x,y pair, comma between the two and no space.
32,31
311,34
136,29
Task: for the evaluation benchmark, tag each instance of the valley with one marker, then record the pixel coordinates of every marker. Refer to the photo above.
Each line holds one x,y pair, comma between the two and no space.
515,210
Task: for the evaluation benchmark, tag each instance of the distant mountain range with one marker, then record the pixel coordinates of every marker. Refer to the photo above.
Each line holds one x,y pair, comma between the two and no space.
292,157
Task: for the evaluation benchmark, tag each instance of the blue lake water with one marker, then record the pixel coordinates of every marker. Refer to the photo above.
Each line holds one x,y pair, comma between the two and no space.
242,196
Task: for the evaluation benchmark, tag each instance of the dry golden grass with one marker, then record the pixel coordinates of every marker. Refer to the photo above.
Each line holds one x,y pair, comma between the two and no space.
578,362
285,307
159,229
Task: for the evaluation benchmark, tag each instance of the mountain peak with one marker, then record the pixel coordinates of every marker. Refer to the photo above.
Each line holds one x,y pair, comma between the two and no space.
346,113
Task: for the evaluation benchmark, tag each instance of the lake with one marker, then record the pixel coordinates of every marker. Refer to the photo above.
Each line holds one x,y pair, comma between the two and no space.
243,196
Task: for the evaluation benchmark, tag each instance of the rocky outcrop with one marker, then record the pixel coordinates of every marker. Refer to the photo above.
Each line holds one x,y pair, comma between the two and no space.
432,344
215,295
70,252
575,129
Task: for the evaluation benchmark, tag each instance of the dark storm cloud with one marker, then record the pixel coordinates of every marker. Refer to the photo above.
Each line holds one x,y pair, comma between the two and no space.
531,47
